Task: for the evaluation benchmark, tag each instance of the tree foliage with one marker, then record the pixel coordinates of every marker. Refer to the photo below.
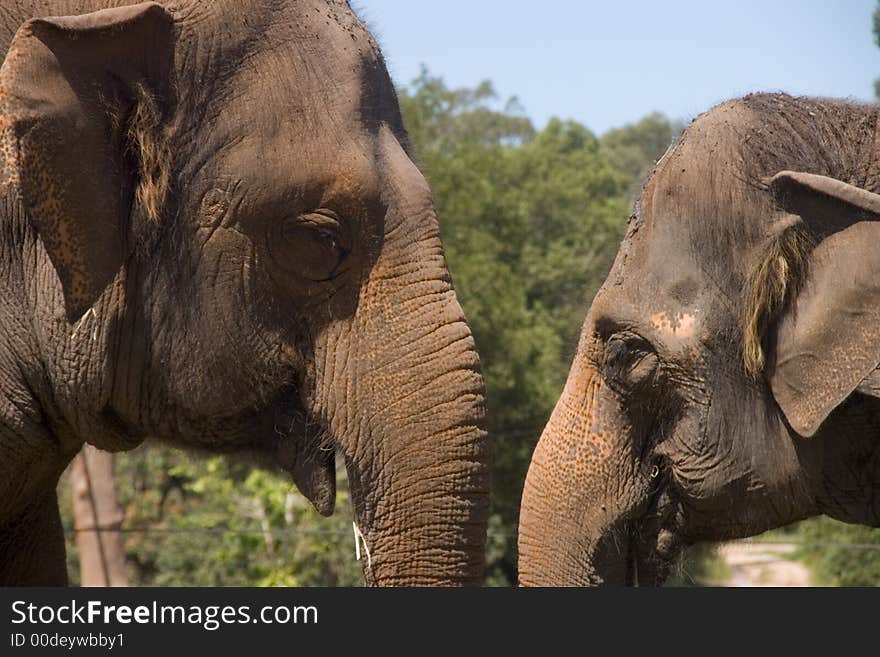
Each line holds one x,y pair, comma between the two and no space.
192,521
840,554
876,21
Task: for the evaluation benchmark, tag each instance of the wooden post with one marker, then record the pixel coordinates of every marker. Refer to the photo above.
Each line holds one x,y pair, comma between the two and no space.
97,519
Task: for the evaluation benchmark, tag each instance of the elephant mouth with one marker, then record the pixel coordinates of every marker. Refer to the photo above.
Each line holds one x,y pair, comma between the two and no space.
656,536
304,450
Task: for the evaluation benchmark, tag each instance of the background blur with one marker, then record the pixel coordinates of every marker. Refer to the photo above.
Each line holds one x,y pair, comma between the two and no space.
535,129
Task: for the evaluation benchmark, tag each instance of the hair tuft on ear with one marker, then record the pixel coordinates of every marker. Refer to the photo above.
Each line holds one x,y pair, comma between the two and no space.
775,276
145,137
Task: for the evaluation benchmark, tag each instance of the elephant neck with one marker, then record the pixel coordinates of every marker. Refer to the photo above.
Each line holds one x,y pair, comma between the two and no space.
55,374
33,450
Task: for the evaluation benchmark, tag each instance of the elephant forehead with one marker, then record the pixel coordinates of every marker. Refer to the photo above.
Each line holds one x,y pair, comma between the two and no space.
228,33
304,79
285,95
299,134
287,155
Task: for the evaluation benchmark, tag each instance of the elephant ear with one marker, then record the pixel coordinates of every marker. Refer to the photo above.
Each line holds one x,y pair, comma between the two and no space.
69,88
827,343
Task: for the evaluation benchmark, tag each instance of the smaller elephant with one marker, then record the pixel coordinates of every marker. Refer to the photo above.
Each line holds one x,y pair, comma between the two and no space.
726,381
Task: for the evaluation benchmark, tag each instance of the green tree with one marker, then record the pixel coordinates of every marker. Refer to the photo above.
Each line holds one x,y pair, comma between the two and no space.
877,41
635,148
222,522
439,119
840,554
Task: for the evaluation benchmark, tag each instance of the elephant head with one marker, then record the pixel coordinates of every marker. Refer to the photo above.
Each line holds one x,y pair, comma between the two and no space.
221,241
726,377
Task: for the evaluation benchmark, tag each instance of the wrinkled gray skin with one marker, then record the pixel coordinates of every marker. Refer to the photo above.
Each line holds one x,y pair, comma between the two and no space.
286,299
661,438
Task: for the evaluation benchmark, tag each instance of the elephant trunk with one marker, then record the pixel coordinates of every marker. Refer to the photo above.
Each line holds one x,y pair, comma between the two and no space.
419,472
583,490
413,400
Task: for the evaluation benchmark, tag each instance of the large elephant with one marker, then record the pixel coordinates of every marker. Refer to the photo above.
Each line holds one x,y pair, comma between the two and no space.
213,235
726,379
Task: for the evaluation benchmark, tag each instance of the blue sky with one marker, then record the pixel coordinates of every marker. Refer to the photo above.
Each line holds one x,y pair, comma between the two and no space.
611,62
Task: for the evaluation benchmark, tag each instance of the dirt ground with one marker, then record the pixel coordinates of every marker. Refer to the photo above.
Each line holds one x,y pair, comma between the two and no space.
756,564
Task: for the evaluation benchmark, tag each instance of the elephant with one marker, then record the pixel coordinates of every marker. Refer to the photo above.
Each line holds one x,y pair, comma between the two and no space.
726,378
214,235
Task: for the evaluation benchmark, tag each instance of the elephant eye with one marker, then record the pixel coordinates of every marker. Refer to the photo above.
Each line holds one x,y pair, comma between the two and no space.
629,362
314,245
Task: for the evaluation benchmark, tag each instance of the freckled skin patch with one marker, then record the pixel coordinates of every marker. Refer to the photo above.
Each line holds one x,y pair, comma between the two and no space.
9,150
675,325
